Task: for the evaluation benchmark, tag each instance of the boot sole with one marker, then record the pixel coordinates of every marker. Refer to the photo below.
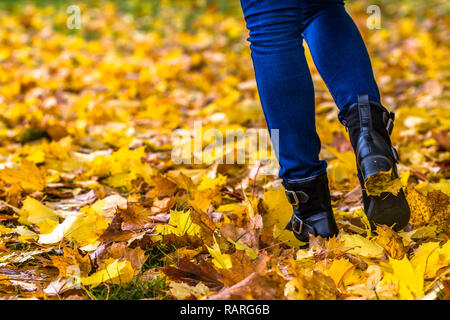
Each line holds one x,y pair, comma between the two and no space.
388,209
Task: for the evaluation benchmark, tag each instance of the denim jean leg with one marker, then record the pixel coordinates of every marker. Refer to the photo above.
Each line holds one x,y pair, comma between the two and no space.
338,51
284,84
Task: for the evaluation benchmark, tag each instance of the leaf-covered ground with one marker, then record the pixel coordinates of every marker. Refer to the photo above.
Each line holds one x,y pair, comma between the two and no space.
92,205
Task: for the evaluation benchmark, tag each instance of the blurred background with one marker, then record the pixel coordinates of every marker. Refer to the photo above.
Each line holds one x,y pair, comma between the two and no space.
136,70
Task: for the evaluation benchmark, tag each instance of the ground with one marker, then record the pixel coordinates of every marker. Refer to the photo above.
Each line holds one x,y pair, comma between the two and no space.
94,205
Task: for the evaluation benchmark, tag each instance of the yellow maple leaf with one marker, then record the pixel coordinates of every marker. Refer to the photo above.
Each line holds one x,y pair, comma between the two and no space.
34,212
86,227
28,176
180,223
419,233
211,183
59,232
25,234
5,230
294,289
122,167
220,260
390,241
410,279
71,261
279,211
252,253
383,182
311,285
443,185
430,258
362,246
431,208
83,227
114,271
342,272
342,168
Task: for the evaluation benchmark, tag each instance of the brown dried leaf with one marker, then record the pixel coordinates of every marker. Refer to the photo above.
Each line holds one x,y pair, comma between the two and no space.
268,286
192,273
163,187
242,267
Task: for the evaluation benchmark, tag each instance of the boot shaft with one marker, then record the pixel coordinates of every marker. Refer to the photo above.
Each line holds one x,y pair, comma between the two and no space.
309,195
365,117
370,125
312,211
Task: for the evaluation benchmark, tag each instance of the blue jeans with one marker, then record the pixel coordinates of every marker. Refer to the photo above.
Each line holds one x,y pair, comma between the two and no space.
277,29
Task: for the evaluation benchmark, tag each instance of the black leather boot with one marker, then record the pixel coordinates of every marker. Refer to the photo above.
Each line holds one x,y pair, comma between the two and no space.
311,201
370,125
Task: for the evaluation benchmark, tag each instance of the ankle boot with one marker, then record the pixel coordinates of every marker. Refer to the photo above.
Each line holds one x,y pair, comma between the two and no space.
370,125
311,201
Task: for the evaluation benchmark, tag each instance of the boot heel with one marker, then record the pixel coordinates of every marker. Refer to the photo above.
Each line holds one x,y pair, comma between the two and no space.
312,211
386,209
389,210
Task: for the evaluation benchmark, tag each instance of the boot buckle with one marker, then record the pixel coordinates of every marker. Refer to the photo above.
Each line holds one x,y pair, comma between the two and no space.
390,126
297,225
296,197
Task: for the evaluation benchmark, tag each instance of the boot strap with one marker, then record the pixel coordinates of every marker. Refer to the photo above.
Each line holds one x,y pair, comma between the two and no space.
365,116
388,119
296,197
299,227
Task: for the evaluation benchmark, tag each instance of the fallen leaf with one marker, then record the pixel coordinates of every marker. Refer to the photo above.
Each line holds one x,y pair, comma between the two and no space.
391,242
114,271
362,246
33,212
28,176
182,291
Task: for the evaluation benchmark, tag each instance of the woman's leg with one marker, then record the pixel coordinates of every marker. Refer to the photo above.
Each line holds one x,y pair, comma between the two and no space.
287,97
344,64
338,51
284,83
